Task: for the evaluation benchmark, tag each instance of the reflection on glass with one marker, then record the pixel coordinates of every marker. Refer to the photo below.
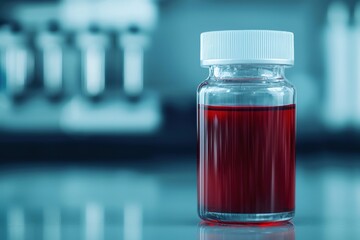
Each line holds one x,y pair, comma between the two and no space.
284,231
16,223
133,221
94,222
52,224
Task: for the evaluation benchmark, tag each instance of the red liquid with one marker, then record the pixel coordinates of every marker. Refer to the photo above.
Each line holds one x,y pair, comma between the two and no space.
246,159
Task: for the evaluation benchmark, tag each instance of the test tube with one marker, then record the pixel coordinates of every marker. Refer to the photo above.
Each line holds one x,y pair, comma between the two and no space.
51,44
93,45
16,61
337,114
133,43
356,70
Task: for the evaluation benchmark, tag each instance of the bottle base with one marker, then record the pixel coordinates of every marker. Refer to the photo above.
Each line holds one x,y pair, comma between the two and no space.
247,217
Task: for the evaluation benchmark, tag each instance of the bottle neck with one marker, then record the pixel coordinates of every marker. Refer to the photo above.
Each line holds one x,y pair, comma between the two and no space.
247,72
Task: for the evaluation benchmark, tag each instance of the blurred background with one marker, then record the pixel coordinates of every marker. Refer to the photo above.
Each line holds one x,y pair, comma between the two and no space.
98,116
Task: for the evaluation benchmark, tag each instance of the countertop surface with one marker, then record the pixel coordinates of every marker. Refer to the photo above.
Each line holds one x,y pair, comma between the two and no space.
156,199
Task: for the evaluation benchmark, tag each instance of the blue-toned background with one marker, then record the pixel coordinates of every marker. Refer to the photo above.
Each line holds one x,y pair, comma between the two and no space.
98,116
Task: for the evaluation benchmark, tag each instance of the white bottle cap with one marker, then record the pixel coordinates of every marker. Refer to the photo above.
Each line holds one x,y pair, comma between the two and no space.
246,47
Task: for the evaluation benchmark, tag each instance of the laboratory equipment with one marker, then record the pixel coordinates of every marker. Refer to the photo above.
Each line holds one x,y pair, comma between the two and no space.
51,44
133,43
246,127
354,96
87,71
94,46
16,59
337,107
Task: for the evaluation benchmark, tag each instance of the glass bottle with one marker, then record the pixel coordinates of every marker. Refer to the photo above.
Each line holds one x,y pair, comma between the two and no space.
246,127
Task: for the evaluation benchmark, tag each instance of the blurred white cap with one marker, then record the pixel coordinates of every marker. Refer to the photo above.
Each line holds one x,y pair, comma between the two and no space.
246,47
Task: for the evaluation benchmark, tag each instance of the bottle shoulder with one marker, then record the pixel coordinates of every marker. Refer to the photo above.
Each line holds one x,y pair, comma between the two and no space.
244,85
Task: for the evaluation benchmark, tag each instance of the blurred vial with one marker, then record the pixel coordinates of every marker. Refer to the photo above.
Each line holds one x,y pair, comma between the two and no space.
16,59
133,43
337,105
93,45
51,43
355,67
